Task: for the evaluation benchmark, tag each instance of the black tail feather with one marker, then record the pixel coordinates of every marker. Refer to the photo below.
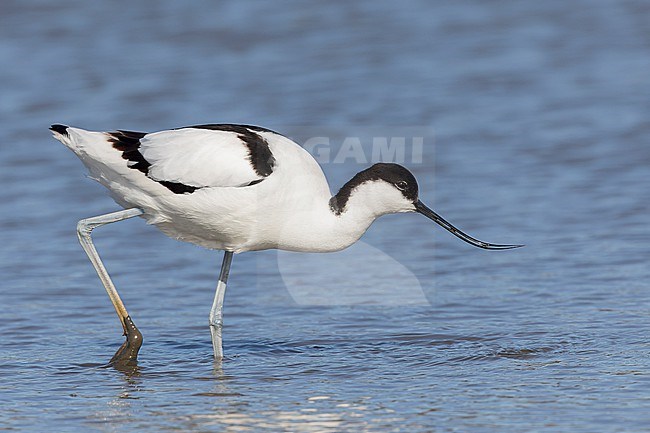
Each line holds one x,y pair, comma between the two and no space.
61,129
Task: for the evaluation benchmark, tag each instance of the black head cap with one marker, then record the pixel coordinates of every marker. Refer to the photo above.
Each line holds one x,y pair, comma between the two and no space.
393,174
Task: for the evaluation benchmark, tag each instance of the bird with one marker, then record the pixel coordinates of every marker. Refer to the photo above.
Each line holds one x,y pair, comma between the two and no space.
235,188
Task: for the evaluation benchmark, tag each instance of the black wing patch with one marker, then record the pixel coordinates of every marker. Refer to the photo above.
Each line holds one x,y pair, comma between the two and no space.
128,142
61,129
259,152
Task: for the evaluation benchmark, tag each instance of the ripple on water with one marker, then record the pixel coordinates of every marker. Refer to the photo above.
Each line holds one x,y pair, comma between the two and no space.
540,128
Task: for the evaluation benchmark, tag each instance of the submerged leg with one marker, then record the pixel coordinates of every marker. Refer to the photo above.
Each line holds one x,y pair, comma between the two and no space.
128,352
216,313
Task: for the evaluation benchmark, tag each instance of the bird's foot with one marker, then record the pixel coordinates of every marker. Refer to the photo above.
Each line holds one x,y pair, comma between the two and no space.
127,354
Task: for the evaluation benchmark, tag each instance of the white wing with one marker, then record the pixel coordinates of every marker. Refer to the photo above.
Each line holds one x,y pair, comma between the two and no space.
201,157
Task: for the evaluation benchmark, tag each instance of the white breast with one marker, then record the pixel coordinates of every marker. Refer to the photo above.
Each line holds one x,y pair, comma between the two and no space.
278,212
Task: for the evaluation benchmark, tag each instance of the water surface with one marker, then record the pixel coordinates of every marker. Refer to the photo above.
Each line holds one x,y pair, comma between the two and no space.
538,132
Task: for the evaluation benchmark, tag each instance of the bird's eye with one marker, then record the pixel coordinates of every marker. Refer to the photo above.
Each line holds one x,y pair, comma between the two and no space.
401,185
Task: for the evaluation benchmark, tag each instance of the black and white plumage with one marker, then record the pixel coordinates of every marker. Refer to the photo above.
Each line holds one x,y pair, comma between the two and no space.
237,188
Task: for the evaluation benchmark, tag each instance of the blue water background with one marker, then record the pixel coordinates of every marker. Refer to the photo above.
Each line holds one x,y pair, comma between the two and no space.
536,117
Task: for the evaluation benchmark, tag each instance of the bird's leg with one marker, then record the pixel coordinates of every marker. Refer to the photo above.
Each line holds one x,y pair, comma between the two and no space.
216,313
128,352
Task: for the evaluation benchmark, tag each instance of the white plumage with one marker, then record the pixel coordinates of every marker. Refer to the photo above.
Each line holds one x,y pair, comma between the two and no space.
235,188
198,157
224,212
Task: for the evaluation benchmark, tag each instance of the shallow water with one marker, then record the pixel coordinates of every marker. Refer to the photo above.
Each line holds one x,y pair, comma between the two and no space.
535,127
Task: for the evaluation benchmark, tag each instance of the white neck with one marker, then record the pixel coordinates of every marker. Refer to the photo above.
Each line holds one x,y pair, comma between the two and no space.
316,227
